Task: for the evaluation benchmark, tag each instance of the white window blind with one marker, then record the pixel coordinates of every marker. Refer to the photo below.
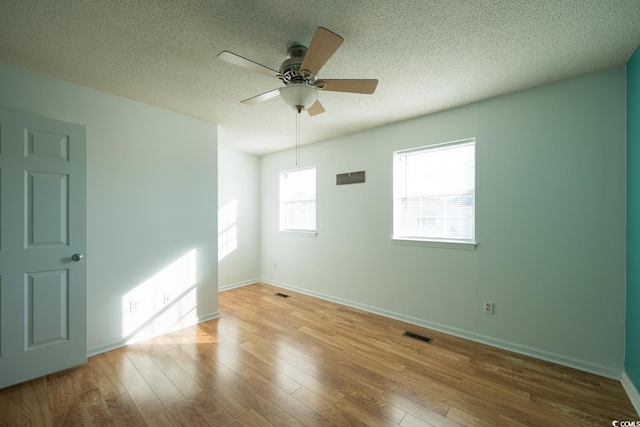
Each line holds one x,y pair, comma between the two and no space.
298,200
434,193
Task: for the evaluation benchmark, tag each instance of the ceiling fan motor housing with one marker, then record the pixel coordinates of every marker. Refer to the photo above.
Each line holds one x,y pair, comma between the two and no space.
290,68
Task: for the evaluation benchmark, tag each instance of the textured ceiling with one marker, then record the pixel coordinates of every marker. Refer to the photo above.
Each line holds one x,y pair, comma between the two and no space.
428,55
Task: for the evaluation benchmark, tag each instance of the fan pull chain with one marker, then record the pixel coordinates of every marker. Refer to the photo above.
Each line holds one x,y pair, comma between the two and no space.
298,140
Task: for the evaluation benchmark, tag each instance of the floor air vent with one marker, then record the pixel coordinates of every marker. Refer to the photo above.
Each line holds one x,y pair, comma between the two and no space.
418,337
280,294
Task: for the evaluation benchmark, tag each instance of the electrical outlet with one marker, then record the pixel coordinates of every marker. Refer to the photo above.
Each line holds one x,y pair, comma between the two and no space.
488,307
275,265
167,298
134,306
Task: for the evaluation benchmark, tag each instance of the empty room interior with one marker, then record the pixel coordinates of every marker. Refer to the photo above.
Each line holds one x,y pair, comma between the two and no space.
334,213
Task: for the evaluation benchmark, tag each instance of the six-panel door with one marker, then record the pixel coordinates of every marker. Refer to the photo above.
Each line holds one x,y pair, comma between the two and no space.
42,225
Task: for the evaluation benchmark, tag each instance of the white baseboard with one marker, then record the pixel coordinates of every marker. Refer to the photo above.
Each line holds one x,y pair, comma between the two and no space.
124,342
207,317
632,392
237,285
581,365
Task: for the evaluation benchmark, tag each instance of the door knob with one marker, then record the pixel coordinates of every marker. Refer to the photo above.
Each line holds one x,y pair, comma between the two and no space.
77,257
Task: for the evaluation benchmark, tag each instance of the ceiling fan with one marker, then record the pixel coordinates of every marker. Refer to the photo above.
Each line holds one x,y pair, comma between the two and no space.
299,74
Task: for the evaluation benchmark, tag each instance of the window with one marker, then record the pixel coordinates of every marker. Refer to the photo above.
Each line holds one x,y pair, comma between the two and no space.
434,193
298,200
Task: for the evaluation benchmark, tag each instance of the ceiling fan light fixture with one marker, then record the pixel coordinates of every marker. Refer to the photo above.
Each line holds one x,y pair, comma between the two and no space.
299,96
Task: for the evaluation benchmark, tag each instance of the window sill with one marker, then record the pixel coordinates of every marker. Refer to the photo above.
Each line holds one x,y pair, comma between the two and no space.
445,244
298,233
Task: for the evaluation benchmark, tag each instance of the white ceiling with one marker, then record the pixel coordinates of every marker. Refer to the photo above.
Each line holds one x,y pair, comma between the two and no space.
428,55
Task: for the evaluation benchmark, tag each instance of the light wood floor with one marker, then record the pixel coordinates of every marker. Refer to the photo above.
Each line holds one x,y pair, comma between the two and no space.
304,361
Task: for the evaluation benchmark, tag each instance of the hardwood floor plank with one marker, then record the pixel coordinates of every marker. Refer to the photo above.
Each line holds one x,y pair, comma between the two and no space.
139,391
380,407
433,372
267,370
227,358
212,411
110,384
504,421
11,404
253,419
328,409
63,403
501,374
175,403
359,352
466,419
317,386
508,359
320,368
363,413
411,421
211,380
35,404
426,389
304,414
93,408
588,398
124,411
393,347
140,359
180,379
567,411
197,369
614,390
491,389
432,411
260,403
162,420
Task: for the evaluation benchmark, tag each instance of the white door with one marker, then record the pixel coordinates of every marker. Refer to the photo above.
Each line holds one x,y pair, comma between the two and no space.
43,292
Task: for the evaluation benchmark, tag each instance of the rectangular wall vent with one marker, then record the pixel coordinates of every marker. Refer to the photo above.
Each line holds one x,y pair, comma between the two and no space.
418,337
280,294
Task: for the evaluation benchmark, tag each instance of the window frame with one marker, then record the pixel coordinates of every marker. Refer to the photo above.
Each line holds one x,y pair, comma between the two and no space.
453,243
282,214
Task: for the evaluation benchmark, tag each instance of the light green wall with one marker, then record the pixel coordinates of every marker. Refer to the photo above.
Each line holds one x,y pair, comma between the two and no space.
550,225
632,356
239,187
152,182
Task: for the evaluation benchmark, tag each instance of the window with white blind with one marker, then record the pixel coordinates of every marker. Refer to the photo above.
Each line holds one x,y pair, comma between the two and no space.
298,200
434,193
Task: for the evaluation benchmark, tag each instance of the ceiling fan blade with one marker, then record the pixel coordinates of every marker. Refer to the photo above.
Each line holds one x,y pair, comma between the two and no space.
316,108
323,44
234,59
367,86
262,97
